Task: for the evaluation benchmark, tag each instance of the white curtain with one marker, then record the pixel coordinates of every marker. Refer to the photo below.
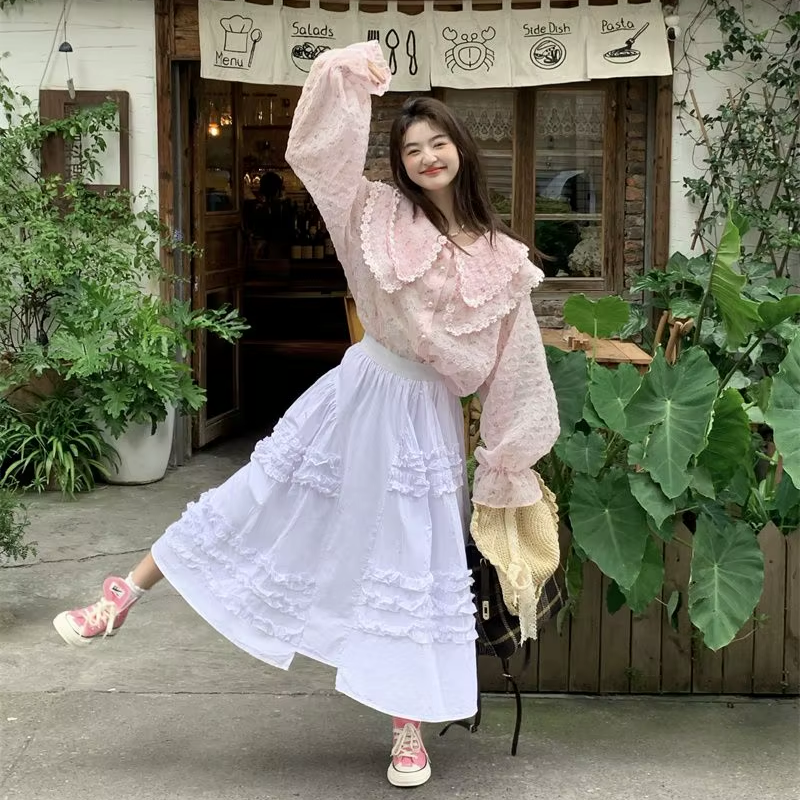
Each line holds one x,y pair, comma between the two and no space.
406,43
306,33
235,40
471,48
548,46
627,40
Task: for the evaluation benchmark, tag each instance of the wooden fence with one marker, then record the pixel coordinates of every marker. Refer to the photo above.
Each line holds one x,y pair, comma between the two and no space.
598,652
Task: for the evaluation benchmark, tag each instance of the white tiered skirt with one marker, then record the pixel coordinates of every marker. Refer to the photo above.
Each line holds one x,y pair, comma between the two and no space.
343,540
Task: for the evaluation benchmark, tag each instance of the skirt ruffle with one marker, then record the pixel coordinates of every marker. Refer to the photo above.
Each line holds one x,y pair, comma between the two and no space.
343,539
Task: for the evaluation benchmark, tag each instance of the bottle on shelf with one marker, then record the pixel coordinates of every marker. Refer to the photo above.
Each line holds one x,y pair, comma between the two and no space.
327,243
308,243
319,243
296,249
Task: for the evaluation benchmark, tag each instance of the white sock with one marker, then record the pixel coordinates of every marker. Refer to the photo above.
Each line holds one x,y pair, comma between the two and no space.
137,590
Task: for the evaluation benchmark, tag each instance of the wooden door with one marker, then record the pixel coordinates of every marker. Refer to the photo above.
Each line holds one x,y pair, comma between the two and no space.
218,273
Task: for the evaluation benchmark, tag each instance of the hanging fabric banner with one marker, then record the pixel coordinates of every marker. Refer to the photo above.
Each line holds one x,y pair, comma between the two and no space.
470,48
627,40
406,42
467,49
235,40
306,33
548,46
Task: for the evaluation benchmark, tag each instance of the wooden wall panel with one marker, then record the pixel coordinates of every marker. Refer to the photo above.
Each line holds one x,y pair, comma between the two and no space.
769,635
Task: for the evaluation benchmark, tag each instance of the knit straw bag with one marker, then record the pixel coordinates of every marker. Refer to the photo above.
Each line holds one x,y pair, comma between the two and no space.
522,545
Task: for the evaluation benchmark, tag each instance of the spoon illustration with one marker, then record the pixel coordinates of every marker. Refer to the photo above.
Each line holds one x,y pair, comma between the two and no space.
255,35
392,42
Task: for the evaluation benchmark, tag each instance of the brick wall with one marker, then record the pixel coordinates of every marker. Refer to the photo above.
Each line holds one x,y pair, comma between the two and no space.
635,178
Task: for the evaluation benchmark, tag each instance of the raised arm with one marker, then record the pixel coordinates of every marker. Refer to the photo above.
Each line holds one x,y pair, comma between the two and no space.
328,142
519,420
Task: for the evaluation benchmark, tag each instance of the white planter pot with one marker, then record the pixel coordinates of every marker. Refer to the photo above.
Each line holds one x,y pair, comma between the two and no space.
143,456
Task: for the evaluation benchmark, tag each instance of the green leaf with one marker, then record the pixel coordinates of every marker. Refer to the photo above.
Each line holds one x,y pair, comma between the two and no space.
585,452
701,482
739,315
609,524
673,607
677,401
610,391
728,441
684,309
615,599
727,576
599,318
573,574
651,498
568,371
772,314
647,585
590,415
783,414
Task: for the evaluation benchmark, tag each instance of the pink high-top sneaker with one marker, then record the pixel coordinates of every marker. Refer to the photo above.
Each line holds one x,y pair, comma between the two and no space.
82,626
410,763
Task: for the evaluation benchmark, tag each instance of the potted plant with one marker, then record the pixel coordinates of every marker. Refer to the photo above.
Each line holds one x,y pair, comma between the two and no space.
13,523
73,310
127,352
52,443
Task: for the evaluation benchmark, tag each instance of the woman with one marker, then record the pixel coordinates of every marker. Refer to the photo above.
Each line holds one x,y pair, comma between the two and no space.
343,538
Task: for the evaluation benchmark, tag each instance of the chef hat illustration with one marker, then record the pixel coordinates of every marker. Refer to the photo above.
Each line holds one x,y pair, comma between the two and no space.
237,29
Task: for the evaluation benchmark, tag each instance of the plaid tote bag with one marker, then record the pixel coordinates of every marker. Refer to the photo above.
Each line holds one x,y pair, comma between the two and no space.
498,629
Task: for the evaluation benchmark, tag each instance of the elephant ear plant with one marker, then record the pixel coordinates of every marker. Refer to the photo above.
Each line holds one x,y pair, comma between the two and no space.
640,452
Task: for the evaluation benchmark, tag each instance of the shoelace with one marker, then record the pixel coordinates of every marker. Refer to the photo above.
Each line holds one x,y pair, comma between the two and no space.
102,611
408,743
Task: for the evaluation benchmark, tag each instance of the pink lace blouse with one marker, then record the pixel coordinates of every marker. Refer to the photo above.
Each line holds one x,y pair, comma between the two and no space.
466,313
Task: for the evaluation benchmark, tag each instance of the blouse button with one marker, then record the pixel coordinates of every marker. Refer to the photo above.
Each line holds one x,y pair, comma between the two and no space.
430,303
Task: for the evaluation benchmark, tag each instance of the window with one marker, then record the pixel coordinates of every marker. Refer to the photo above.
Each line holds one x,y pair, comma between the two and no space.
568,215
490,118
220,150
60,157
555,174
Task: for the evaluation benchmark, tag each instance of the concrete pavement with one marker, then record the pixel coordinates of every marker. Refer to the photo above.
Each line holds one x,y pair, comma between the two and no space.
169,709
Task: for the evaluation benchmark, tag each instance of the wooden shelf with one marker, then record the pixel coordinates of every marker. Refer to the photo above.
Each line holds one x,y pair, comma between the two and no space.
300,347
267,127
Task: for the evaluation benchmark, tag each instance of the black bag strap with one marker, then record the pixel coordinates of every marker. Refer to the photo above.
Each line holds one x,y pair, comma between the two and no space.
473,724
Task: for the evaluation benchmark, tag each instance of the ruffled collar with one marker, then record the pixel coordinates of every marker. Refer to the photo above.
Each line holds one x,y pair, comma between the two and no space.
400,246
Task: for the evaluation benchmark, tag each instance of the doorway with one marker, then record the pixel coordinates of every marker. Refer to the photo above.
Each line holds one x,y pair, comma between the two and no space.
265,251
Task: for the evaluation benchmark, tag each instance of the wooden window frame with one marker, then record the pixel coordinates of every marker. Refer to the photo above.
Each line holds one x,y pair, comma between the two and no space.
613,211
53,105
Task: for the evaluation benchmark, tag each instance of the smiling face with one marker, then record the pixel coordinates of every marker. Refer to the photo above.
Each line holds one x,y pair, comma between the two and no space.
429,156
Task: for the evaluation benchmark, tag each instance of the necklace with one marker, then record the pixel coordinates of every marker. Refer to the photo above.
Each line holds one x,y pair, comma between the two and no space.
451,234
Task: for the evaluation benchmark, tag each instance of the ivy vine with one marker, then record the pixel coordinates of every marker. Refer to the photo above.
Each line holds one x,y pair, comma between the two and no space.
748,147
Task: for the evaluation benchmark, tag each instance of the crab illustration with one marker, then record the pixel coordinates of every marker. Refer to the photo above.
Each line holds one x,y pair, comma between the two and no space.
468,51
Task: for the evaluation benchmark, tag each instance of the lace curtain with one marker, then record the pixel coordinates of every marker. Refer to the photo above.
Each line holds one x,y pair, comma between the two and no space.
561,115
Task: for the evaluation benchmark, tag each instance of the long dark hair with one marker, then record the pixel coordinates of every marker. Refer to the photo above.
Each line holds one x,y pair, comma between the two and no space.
471,201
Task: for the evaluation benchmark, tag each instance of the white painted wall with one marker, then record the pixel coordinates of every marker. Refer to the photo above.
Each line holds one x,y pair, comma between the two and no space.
114,49
701,35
